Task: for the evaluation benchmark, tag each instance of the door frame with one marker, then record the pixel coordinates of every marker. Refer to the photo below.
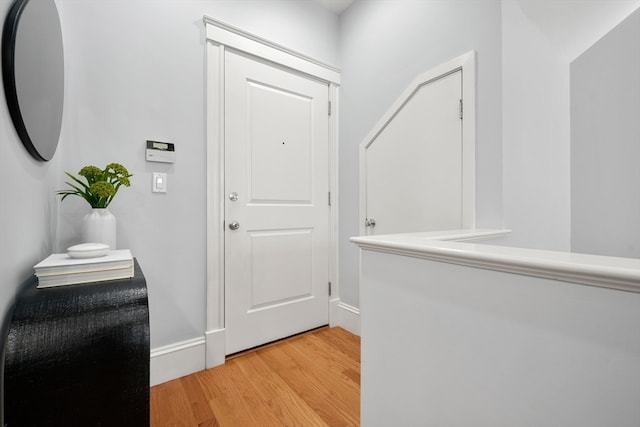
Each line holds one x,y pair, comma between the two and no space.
219,38
467,64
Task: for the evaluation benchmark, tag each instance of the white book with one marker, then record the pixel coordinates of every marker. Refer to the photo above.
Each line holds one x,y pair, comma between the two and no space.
84,277
63,264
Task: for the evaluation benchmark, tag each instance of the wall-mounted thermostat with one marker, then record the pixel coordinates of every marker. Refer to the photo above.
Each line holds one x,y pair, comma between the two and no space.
164,152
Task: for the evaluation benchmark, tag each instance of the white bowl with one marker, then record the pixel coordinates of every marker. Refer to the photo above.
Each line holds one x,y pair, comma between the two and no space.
88,250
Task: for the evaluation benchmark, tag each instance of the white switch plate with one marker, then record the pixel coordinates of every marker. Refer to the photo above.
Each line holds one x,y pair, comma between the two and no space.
159,183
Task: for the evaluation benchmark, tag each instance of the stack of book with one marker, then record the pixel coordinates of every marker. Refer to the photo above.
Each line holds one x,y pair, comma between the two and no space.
61,269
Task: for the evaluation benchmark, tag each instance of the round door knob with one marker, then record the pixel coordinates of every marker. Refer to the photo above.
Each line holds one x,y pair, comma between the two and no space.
234,225
233,196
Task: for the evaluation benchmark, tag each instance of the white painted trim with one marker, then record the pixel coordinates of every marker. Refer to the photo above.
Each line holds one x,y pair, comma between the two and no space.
466,63
221,36
236,38
468,66
215,187
334,235
345,316
176,360
592,270
215,347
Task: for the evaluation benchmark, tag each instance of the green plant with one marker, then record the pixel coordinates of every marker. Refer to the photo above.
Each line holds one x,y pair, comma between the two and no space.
102,184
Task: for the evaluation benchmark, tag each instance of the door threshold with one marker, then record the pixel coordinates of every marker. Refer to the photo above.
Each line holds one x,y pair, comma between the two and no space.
271,343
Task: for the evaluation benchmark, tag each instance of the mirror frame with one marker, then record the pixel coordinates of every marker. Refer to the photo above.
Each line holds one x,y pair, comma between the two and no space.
9,35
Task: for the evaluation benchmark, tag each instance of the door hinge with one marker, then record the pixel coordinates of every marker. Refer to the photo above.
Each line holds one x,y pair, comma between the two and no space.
329,198
329,111
329,288
461,109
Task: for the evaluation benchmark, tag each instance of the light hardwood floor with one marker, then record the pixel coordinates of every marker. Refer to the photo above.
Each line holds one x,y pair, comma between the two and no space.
311,379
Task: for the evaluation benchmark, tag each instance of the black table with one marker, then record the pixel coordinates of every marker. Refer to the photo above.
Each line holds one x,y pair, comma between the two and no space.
79,355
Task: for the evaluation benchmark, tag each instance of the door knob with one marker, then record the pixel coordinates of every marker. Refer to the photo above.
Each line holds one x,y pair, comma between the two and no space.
370,222
234,225
233,196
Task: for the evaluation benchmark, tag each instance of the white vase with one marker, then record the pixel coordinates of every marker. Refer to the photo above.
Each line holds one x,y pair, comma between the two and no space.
99,226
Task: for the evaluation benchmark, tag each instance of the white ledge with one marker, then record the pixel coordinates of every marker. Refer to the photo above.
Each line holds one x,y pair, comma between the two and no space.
450,247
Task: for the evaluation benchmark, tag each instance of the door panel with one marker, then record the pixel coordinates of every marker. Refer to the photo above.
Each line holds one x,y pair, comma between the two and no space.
276,160
280,163
281,267
414,165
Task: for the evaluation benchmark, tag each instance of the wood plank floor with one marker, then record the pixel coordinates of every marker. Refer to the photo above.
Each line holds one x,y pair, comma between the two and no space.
311,379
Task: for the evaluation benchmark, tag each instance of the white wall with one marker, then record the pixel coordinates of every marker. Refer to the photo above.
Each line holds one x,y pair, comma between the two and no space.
452,345
28,211
385,44
539,39
28,208
535,106
605,144
135,71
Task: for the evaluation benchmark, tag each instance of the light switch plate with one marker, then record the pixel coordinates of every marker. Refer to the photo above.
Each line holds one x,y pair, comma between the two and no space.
159,182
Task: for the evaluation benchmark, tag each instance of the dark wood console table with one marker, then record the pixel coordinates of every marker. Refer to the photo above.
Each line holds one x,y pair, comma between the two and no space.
79,355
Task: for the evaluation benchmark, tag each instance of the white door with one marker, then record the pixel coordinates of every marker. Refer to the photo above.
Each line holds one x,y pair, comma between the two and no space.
414,166
276,193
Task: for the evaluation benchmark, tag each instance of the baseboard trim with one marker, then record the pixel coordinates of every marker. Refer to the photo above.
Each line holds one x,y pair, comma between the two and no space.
345,316
186,357
177,360
216,352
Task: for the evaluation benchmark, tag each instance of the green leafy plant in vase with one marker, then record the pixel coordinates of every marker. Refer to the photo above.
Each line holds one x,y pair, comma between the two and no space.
99,190
102,184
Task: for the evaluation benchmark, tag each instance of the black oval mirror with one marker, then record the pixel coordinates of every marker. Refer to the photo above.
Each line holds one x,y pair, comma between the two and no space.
33,71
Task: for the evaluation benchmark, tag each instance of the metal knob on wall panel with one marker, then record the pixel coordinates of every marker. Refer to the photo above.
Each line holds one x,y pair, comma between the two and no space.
234,225
370,222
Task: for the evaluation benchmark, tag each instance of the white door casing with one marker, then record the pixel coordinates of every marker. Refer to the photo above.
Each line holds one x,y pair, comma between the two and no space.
276,158
221,38
417,165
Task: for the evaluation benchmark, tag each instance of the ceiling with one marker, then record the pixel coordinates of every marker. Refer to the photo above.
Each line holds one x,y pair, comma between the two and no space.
571,25
335,6
575,25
